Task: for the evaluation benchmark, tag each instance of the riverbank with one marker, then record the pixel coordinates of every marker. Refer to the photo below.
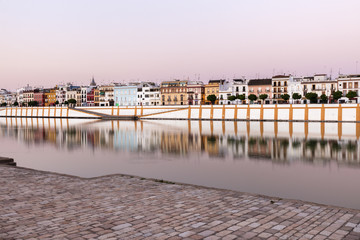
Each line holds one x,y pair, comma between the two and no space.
42,205
255,112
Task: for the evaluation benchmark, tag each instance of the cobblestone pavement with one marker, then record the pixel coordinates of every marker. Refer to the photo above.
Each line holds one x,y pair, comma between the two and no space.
39,205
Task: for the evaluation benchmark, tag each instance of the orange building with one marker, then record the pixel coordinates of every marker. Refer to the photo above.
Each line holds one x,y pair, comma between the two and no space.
212,88
174,92
50,97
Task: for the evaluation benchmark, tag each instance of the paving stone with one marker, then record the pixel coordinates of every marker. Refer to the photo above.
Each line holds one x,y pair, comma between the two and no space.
41,205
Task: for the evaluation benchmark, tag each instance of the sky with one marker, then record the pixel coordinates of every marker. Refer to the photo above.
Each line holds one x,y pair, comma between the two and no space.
44,43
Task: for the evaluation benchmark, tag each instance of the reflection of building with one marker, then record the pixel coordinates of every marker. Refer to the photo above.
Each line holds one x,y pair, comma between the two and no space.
149,138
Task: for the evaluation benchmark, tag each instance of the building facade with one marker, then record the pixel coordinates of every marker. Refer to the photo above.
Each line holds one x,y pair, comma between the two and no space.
195,93
213,88
174,92
259,87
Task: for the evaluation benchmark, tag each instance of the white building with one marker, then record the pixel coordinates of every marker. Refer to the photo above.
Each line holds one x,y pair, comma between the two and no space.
148,94
295,87
239,87
225,90
348,83
319,84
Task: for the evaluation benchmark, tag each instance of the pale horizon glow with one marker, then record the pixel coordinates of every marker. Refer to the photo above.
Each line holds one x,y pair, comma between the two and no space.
45,43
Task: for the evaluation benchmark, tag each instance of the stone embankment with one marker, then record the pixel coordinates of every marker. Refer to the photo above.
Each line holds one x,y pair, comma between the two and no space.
40,205
256,112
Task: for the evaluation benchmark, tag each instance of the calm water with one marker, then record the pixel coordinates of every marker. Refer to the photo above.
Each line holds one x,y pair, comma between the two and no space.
315,162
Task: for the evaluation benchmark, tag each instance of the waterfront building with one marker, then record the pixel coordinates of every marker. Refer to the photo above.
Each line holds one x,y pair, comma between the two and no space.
348,83
319,84
39,97
71,94
295,87
60,92
20,94
174,92
213,88
105,95
195,93
90,98
126,95
49,97
148,94
239,87
280,85
28,96
260,86
225,90
79,97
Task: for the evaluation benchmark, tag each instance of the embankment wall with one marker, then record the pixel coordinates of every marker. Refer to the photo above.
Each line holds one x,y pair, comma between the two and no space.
282,112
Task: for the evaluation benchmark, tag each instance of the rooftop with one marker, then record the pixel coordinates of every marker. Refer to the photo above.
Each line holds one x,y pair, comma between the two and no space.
254,82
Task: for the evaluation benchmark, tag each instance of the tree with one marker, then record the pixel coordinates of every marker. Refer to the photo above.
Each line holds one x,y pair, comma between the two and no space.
252,97
351,95
57,102
72,101
285,96
263,97
66,103
312,97
231,98
337,95
3,104
241,97
16,104
296,96
33,104
211,98
324,98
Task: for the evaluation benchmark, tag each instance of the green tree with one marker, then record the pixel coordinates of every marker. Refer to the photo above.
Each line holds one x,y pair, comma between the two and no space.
72,101
351,95
337,95
252,97
263,97
3,104
296,96
324,98
241,97
231,98
16,104
312,97
66,103
57,102
285,97
33,104
211,98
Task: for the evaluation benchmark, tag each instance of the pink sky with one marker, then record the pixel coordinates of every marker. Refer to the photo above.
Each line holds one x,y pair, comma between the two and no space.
49,42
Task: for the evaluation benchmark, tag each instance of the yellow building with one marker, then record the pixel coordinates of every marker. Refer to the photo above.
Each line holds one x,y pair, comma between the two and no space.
212,88
97,97
174,92
50,97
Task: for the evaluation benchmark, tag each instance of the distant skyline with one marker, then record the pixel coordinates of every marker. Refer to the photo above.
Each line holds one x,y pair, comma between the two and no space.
48,42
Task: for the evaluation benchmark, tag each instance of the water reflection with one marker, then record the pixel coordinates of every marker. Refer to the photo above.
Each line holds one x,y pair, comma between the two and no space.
316,162
279,142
